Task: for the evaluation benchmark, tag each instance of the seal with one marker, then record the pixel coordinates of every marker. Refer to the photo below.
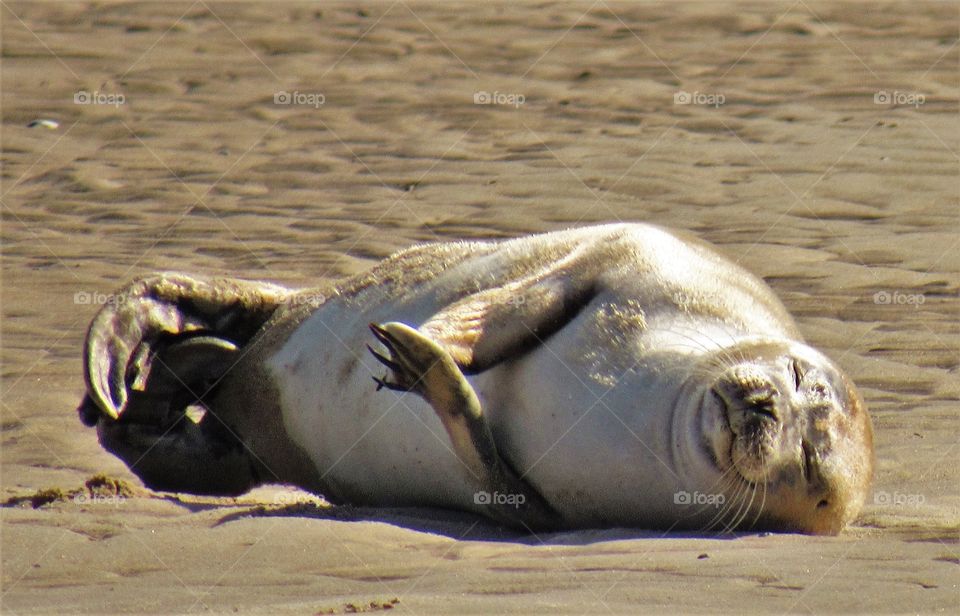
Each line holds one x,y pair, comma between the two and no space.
616,375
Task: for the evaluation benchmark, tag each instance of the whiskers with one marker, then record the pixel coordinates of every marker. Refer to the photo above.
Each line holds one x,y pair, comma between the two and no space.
743,501
719,356
740,499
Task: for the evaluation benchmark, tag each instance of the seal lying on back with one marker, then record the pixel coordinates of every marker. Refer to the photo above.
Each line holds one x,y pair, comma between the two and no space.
617,375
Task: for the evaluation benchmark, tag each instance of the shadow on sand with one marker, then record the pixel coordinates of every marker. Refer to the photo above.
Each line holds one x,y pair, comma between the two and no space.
461,526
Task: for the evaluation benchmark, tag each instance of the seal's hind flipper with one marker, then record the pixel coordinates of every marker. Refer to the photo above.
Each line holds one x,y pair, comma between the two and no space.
497,324
418,364
151,313
158,348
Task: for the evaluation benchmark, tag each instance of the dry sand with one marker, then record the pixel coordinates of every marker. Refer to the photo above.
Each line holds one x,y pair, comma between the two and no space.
798,174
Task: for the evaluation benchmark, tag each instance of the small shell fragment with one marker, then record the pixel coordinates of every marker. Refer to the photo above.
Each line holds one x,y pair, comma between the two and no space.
44,123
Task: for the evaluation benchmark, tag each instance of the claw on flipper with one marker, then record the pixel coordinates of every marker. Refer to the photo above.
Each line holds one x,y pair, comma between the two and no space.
382,334
381,383
386,361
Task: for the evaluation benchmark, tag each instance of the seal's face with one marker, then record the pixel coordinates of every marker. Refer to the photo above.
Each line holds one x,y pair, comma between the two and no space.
797,448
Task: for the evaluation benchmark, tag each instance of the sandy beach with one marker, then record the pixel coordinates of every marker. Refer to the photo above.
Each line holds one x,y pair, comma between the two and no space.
816,144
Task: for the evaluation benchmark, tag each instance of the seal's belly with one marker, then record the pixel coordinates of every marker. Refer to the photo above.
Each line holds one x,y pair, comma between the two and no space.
369,446
557,414
562,423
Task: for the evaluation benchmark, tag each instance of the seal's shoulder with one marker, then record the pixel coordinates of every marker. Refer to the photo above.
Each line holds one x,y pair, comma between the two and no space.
414,266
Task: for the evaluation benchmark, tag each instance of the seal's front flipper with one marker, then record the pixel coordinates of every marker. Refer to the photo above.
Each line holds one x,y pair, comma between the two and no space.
501,323
420,365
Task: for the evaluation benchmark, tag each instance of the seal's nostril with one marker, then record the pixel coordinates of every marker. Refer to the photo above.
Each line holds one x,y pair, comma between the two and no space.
823,503
760,401
764,410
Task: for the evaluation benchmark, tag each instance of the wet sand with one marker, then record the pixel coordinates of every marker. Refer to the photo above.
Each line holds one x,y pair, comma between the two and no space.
818,147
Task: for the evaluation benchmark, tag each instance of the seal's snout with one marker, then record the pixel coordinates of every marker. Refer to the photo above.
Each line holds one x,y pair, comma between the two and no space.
755,410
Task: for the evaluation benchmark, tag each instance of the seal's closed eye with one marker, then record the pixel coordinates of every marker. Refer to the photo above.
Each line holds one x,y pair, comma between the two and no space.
796,374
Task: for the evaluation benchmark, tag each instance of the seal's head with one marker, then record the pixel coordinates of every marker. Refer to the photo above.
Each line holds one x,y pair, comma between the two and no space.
794,438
